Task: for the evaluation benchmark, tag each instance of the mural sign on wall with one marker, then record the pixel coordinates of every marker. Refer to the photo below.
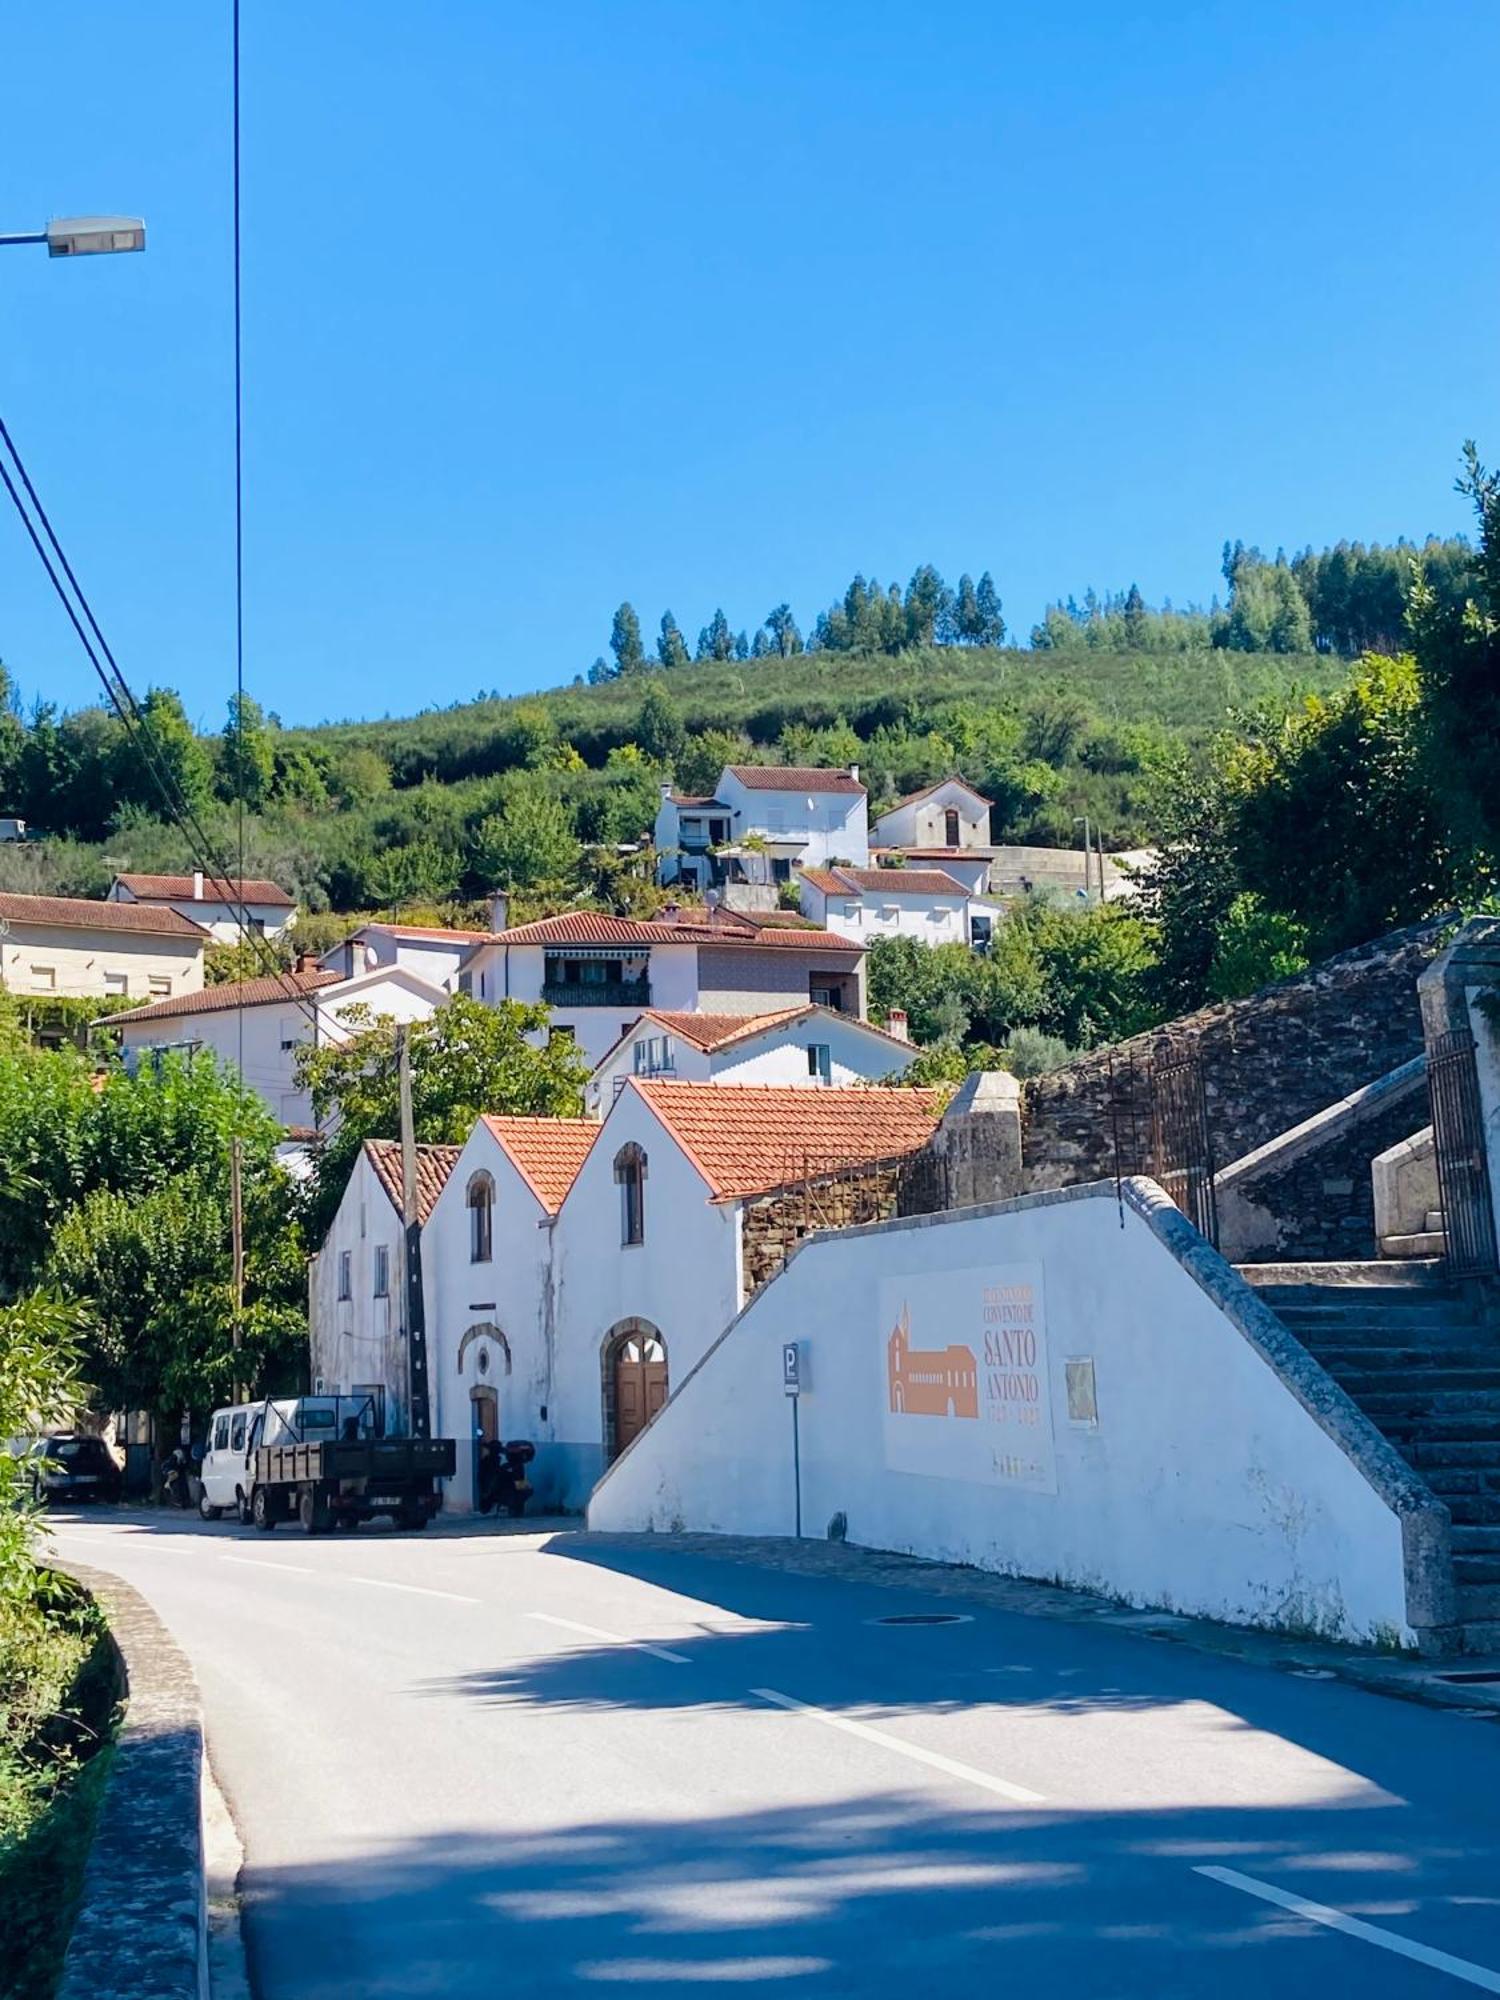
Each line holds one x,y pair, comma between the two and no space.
966,1387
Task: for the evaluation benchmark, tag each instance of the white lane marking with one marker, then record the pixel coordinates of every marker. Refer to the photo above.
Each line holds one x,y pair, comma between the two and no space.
611,1638
1356,1927
279,1568
938,1762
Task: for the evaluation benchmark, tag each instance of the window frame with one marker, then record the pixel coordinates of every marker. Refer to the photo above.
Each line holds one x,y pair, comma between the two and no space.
346,1277
479,1200
380,1276
631,1168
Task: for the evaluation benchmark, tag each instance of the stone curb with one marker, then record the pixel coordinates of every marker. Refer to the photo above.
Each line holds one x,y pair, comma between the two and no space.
1405,1676
141,1931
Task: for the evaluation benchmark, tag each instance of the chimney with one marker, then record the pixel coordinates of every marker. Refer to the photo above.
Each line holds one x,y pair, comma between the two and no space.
854,772
499,910
307,961
666,791
896,1024
197,885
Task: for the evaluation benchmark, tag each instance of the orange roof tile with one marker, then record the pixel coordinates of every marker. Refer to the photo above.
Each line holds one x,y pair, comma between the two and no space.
884,881
547,1152
771,929
711,1031
434,1166
84,913
759,1136
795,778
436,933
216,889
290,986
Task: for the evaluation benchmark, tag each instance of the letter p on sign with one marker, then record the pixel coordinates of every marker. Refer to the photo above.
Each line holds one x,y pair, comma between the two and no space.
791,1367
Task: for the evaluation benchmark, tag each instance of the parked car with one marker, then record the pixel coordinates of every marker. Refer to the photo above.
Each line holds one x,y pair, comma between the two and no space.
226,1474
71,1466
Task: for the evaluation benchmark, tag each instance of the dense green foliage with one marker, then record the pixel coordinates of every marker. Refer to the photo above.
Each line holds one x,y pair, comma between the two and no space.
120,1202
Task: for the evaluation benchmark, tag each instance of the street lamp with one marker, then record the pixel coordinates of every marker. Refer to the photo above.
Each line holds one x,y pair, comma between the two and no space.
86,235
1081,819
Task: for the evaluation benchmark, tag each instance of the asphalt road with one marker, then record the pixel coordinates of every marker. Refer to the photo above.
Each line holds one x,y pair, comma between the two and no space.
525,1765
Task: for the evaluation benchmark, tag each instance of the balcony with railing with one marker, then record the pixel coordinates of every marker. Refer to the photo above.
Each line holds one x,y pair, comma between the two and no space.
596,992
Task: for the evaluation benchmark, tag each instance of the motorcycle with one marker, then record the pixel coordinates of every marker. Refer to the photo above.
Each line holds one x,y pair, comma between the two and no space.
502,1476
174,1479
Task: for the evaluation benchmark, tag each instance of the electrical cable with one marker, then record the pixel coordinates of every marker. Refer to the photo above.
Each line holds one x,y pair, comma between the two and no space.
136,722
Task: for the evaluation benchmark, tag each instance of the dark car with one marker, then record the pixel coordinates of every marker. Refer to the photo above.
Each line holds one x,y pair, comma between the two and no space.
76,1468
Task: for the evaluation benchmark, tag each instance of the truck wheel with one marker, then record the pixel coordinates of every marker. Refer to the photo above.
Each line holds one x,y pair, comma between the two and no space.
243,1508
261,1510
413,1518
345,1523
206,1510
312,1511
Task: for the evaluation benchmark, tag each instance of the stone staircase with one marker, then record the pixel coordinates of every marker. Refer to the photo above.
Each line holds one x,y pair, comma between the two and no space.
1428,1241
1420,1355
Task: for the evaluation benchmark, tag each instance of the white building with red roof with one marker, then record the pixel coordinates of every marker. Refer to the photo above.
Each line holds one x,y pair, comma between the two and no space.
598,973
433,953
800,1047
78,948
924,902
260,1024
946,816
761,823
222,905
574,1270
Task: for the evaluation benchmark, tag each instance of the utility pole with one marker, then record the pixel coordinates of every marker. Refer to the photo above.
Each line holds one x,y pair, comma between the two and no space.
1082,819
416,1319
237,1238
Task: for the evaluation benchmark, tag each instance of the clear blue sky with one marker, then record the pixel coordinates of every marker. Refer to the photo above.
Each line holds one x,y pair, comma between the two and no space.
717,301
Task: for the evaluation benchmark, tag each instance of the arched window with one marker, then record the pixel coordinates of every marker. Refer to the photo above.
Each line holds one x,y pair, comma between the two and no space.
481,1219
630,1172
950,827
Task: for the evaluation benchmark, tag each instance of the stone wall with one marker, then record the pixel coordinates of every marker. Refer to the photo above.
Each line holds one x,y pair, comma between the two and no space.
1269,1062
1309,1197
773,1224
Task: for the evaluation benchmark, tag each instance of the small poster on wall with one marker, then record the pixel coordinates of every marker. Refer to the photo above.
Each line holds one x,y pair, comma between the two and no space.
966,1389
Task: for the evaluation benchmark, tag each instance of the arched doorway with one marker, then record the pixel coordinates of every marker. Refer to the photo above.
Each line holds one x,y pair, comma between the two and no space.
483,1364
635,1381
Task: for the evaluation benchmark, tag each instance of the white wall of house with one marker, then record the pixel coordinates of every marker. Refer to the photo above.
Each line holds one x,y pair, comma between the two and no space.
1206,1484
275,1030
98,964
889,912
684,1280
924,822
223,921
828,826
435,958
490,1324
358,1341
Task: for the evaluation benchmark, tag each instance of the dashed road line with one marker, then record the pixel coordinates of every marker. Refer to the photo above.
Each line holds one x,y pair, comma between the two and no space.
611,1638
1356,1927
934,1759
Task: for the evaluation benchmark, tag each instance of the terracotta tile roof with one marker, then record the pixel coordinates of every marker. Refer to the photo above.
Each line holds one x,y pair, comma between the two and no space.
926,792
434,932
883,881
434,1166
796,778
979,853
722,927
758,1136
85,913
696,803
547,1152
712,1031
233,993
216,889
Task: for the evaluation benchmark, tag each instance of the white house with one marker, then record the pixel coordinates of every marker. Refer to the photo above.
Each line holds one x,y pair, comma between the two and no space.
356,1283
434,954
944,816
796,1046
598,973
927,904
573,1270
762,821
492,1335
221,905
272,1019
72,946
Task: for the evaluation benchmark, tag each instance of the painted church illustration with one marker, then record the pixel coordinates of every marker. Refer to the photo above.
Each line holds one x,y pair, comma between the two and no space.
942,1382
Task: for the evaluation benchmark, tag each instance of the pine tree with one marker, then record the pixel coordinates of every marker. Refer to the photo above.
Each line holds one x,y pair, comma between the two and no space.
991,624
671,647
782,628
625,641
715,641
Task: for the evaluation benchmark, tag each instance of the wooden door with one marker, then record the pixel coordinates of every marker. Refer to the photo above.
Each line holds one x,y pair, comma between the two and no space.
640,1385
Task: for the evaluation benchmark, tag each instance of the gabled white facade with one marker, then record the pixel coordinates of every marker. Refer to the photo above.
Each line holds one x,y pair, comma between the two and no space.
224,920
356,1299
811,1047
787,824
948,814
434,955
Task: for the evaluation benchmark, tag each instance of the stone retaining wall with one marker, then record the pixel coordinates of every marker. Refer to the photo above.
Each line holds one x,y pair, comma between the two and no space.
1269,1062
142,1926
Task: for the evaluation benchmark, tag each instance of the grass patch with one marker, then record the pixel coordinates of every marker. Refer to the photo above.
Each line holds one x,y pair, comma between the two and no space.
59,1705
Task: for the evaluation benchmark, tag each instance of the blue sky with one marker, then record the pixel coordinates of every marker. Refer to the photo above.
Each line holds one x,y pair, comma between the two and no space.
694,302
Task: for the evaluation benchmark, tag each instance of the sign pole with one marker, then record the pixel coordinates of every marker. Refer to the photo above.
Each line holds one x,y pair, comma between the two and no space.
797,1466
791,1383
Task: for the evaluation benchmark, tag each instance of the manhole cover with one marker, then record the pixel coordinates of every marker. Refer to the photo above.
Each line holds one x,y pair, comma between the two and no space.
924,1618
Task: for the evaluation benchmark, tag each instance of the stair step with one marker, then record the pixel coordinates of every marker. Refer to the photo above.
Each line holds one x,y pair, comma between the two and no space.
1420,1243
1453,1455
1416,1400
1477,1539
1433,1220
1418,1307
1425,1365
1477,1571
1346,1276
1470,1510
1477,1600
1449,1428
1479,1637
